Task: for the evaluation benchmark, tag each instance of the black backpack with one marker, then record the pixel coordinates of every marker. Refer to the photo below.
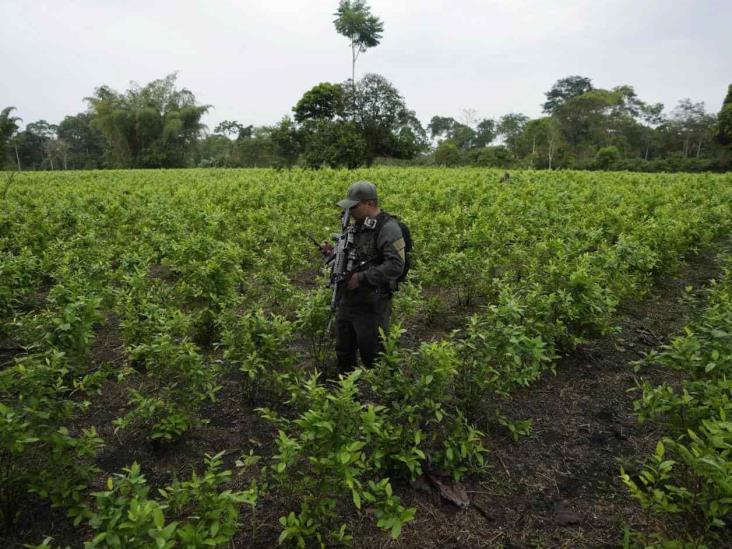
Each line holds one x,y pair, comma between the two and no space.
384,217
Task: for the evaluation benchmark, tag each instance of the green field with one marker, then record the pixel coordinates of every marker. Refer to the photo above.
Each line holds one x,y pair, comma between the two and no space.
159,316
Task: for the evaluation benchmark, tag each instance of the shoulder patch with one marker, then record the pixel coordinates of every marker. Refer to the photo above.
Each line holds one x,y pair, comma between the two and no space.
399,246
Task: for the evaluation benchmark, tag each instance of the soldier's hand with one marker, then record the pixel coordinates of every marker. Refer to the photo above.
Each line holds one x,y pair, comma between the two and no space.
353,281
326,248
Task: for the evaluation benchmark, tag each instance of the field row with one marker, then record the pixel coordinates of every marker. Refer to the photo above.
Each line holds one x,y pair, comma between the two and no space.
689,474
204,277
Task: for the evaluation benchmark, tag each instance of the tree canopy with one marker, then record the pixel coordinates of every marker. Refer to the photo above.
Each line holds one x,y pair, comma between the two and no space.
350,124
85,142
723,130
322,102
155,125
8,127
367,119
354,20
565,89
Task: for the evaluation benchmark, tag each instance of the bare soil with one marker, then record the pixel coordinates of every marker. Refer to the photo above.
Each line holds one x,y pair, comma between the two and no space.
557,487
560,486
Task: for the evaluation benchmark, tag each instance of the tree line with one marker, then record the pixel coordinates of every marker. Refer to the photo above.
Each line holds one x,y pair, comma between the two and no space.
360,122
585,127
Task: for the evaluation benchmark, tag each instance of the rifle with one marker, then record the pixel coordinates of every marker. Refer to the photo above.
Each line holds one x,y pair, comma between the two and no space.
322,249
343,261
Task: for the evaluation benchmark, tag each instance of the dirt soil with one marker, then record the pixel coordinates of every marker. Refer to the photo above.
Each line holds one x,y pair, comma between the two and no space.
557,487
560,486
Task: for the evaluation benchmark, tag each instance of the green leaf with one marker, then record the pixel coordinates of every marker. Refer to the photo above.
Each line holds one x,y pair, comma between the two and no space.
158,518
660,450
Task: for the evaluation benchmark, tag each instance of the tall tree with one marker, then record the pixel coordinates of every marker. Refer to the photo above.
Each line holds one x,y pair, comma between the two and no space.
468,116
723,128
447,153
34,146
532,142
584,123
510,127
363,30
57,153
440,126
285,143
155,125
565,89
8,127
368,118
232,128
485,132
85,144
694,126
383,119
463,136
325,136
630,122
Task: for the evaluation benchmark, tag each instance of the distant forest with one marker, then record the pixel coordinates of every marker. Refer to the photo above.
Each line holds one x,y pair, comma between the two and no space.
365,122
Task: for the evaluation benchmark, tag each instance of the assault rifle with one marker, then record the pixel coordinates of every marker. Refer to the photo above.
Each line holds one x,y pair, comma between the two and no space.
344,259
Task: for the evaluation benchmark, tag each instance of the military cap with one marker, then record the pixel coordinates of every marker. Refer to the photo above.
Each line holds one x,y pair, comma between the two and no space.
358,191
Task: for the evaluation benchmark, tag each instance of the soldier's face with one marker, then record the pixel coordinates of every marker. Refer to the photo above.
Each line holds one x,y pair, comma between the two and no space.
360,211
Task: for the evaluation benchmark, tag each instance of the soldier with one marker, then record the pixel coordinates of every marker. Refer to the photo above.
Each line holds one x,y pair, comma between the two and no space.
366,303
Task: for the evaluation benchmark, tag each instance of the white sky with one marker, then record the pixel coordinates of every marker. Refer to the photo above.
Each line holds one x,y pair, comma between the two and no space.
253,59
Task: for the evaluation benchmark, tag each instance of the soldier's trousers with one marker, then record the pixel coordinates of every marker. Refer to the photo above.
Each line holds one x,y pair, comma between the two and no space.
357,329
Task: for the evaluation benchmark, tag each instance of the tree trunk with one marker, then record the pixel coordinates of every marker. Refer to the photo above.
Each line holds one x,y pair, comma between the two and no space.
353,63
646,155
17,157
698,150
551,153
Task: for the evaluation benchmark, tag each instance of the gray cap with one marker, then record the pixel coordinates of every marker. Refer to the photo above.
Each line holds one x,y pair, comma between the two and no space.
358,191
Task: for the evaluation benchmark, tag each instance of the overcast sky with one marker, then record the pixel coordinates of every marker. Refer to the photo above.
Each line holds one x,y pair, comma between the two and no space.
253,59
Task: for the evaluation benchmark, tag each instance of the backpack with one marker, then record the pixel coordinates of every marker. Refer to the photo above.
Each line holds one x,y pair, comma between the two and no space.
407,242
